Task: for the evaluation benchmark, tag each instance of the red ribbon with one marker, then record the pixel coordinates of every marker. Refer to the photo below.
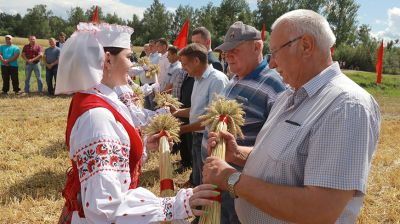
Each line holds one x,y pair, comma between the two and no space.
217,198
166,184
163,133
223,118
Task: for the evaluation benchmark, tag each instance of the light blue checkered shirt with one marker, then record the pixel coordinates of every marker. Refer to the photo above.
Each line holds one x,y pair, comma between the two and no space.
324,134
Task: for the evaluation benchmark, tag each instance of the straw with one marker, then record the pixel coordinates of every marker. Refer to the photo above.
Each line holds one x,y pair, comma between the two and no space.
222,115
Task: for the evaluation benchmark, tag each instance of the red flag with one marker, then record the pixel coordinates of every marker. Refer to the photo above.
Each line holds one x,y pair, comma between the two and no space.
262,32
379,64
95,17
182,39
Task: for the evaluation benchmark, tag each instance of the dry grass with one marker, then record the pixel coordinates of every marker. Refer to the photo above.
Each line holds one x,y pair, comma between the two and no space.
34,162
35,159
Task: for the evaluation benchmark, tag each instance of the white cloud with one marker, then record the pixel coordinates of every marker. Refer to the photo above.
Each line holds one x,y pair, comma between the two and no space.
171,9
392,31
60,8
378,21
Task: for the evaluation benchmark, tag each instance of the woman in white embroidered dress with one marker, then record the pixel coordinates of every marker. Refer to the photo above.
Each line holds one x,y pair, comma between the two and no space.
95,61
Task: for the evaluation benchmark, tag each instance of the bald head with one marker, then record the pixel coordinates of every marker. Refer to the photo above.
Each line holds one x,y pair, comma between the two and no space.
302,21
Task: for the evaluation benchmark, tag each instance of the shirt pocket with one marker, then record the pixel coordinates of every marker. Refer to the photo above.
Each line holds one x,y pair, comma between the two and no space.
281,145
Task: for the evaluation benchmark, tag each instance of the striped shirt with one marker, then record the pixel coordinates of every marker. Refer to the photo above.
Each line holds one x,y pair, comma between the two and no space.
257,93
324,134
177,81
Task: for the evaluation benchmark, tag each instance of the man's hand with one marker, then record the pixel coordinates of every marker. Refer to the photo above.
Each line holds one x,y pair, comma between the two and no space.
174,111
30,61
230,144
49,66
217,171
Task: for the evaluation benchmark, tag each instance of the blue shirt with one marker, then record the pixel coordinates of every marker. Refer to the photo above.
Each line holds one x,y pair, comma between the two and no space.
52,54
155,58
257,93
324,135
211,82
8,52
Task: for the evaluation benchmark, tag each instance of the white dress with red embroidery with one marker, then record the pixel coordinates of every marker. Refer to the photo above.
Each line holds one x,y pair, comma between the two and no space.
100,147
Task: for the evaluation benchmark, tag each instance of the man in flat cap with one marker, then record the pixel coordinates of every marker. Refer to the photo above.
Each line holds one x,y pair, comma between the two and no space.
254,85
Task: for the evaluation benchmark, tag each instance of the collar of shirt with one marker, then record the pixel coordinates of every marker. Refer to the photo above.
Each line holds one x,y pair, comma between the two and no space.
316,83
106,91
173,64
206,72
256,72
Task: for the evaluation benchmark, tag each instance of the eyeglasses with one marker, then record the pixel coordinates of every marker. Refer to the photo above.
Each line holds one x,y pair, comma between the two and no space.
273,52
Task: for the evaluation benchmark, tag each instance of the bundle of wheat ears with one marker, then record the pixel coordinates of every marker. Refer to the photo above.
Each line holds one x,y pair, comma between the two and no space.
169,127
140,96
153,69
144,61
221,115
165,99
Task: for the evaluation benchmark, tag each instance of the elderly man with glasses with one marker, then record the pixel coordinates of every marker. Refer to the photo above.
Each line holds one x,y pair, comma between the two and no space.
311,159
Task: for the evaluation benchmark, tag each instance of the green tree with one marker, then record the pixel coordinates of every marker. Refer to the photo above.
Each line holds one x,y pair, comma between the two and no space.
206,16
36,22
156,21
269,10
76,15
57,25
231,11
363,36
342,16
137,25
114,19
9,24
315,5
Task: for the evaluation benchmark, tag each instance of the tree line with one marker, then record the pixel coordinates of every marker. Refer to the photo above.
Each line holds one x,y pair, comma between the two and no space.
354,45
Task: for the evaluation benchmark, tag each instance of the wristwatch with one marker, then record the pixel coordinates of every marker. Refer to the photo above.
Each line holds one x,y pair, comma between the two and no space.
232,181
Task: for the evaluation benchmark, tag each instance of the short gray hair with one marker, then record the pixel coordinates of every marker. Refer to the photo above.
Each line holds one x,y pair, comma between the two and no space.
303,21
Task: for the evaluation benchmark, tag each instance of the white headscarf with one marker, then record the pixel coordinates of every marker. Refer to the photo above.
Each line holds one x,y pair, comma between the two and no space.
81,59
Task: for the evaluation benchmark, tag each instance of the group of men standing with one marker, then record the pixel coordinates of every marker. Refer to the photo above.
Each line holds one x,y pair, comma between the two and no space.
32,54
310,132
194,75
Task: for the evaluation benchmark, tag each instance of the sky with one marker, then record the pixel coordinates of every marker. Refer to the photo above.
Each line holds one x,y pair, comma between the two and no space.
383,16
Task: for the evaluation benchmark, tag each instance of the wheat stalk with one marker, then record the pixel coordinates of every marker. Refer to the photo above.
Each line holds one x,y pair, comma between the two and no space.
169,127
221,115
221,107
165,99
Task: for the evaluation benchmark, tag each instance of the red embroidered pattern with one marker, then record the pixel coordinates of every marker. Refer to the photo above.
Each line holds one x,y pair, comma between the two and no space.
186,203
102,155
128,98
